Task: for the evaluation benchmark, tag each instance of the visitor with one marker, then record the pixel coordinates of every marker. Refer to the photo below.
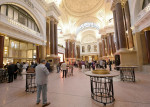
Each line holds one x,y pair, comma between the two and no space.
32,65
83,66
58,67
64,68
42,80
16,71
48,65
11,69
110,63
93,65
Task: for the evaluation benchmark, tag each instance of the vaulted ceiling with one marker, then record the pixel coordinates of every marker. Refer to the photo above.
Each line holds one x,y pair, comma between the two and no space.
74,13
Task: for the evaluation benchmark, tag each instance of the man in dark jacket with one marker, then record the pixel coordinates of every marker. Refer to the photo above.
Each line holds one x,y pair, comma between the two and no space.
48,66
11,70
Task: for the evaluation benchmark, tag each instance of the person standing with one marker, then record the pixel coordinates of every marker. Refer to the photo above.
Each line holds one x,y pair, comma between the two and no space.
42,80
15,71
48,65
64,68
11,69
58,67
110,62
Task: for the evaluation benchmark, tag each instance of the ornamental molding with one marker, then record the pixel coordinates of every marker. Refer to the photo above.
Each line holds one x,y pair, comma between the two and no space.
142,20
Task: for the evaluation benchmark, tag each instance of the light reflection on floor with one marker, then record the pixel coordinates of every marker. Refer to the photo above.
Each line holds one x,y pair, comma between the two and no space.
74,91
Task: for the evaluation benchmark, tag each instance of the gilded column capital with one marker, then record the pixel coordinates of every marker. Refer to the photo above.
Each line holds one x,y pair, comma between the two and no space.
52,19
114,2
56,22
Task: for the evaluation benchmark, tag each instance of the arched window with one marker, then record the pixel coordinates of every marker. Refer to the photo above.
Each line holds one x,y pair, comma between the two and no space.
145,3
95,48
19,15
89,48
83,49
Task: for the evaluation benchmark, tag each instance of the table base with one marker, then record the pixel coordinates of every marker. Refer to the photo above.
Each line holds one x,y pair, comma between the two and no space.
127,74
102,89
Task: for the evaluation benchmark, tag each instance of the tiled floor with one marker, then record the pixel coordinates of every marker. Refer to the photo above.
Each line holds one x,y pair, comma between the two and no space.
74,91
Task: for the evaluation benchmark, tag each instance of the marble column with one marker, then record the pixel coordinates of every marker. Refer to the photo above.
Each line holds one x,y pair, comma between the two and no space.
113,49
108,46
66,50
70,49
55,38
116,30
100,49
111,46
1,50
128,22
120,26
42,52
147,37
48,39
37,54
103,46
73,50
52,41
78,51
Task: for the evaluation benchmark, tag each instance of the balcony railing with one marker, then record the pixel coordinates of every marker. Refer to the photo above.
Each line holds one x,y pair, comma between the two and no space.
13,23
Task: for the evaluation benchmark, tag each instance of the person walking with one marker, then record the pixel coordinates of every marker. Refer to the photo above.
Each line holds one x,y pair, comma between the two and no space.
58,67
42,80
64,68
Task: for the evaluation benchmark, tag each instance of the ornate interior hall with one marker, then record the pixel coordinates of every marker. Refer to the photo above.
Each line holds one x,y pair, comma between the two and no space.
90,37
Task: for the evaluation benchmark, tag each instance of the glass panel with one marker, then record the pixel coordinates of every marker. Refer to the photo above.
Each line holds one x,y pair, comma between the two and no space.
10,12
22,19
29,23
34,53
32,25
6,42
14,49
23,46
29,54
30,46
23,54
16,15
3,9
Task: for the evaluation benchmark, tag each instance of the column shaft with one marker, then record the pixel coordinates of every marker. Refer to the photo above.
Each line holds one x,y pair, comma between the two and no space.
116,30
37,54
128,22
108,46
66,50
1,50
55,39
147,37
48,39
52,41
120,26
103,44
100,49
